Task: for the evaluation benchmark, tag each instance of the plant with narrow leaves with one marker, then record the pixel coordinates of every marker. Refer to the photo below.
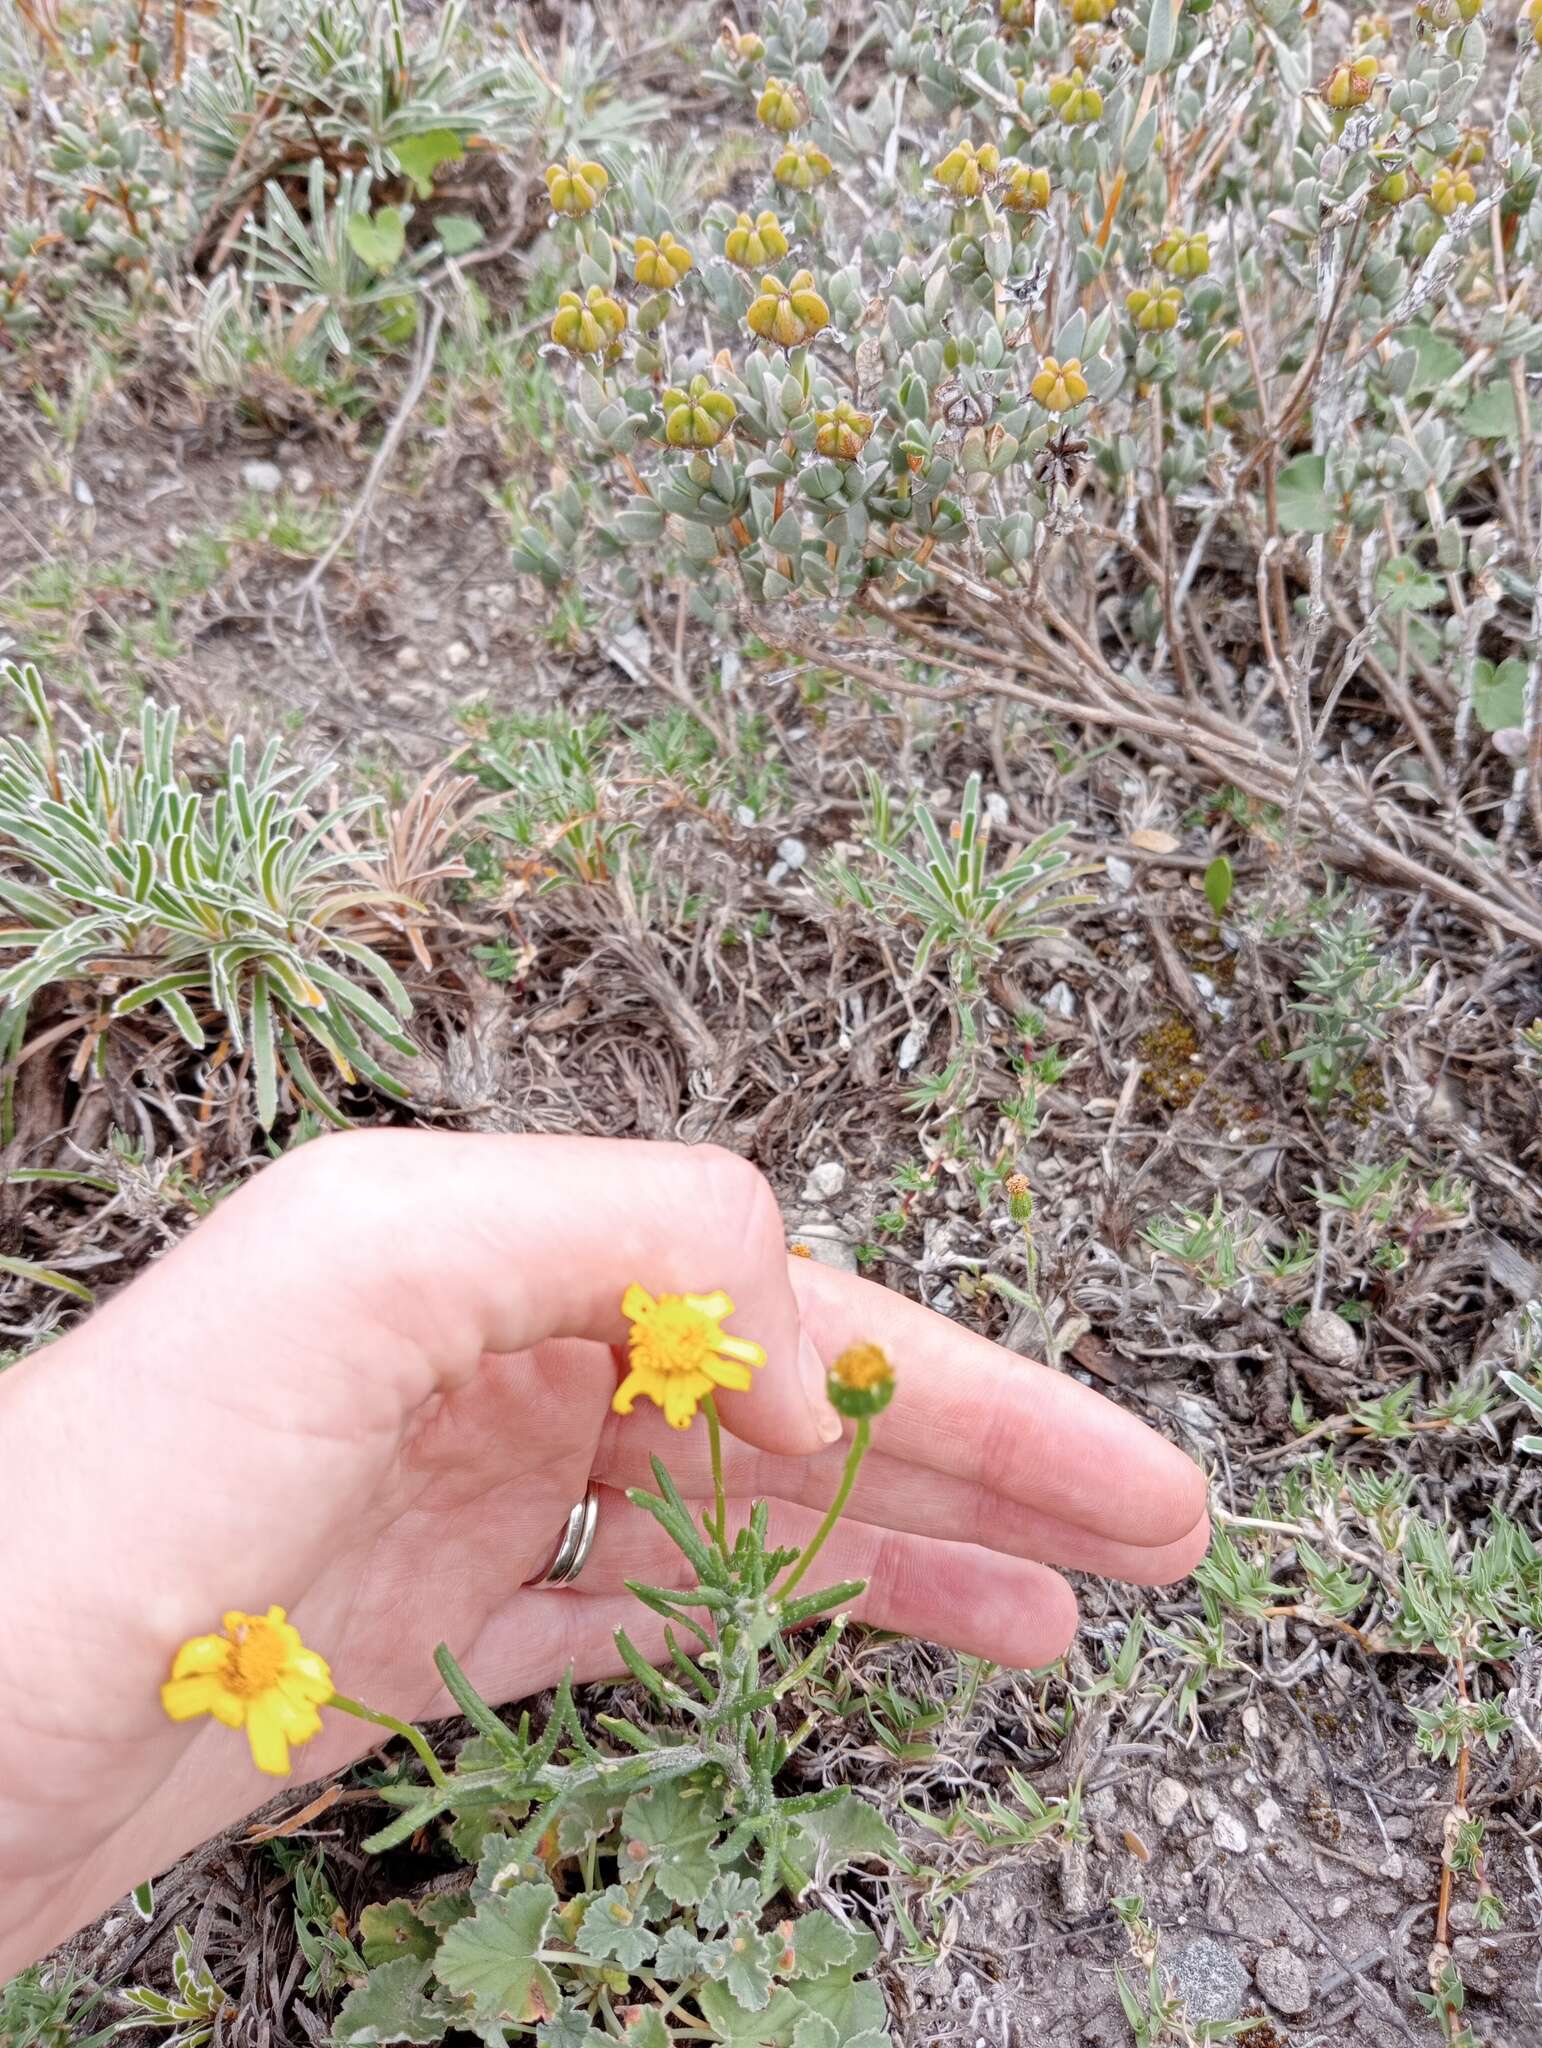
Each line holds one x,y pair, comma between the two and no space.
229,916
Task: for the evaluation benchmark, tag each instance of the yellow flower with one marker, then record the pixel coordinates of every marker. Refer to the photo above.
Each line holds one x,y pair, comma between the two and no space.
1059,386
861,1381
259,1676
679,1352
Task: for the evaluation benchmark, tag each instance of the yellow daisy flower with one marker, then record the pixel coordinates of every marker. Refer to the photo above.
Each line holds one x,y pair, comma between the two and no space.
679,1351
259,1676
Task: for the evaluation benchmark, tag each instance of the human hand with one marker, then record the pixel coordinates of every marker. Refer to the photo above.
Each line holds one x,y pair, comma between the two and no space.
370,1388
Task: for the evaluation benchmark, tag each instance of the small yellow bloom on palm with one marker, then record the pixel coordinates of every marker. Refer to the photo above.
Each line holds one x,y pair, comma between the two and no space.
679,1352
258,1676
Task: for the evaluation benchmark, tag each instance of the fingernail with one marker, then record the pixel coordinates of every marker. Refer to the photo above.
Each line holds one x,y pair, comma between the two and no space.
812,1368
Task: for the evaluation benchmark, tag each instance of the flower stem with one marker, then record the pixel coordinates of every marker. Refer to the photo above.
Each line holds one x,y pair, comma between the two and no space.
718,1528
415,1736
854,1459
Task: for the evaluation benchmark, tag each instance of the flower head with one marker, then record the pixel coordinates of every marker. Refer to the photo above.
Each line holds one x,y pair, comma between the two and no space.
861,1381
1059,386
259,1676
679,1351
1350,85
575,187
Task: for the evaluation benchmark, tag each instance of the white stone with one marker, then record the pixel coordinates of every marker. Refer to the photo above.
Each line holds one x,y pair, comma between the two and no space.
791,852
263,477
1338,1909
301,479
408,657
1328,1337
457,654
1284,1980
1168,1799
1119,873
82,492
1060,1002
827,1179
1267,1814
1229,1833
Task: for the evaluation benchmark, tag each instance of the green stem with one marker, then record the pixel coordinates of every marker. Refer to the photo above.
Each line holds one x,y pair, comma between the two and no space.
415,1736
854,1459
718,1528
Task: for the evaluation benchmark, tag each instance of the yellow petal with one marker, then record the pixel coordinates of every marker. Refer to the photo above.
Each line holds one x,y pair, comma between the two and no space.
628,1391
727,1374
313,1674
636,1302
680,1402
298,1718
742,1349
265,1732
182,1698
201,1654
716,1305
235,1621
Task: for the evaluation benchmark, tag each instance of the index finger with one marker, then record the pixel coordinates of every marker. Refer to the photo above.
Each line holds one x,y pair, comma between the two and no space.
966,1407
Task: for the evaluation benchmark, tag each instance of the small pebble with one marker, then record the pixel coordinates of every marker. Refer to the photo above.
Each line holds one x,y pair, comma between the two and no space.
791,853
264,477
1229,1833
1119,872
1267,1814
457,654
408,657
827,1179
1329,1338
1284,1980
1168,1799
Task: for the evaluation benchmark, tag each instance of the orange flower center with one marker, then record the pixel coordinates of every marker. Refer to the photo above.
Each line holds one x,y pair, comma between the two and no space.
673,1337
862,1367
257,1660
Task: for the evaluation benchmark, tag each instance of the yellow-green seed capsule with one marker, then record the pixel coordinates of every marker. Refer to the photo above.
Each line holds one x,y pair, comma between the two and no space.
1183,255
697,417
967,171
787,314
576,187
842,433
781,107
589,326
752,244
662,264
802,166
1077,103
1024,188
1155,312
1059,386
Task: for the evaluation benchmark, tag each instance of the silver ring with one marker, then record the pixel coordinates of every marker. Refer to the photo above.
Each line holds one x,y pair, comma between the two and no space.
572,1553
